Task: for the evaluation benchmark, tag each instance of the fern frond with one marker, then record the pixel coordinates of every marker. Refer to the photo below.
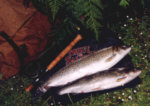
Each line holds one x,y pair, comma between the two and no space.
91,10
93,14
124,3
54,6
63,32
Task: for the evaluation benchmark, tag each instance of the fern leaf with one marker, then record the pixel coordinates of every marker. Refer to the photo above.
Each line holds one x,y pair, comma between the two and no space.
92,15
54,6
124,3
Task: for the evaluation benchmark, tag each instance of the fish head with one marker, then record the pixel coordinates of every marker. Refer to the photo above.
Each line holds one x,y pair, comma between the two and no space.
121,50
133,73
117,53
126,75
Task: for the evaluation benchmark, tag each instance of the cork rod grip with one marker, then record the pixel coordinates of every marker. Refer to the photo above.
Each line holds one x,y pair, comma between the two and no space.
64,52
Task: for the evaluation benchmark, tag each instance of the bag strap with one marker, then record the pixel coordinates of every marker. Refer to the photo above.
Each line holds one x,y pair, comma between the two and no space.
15,47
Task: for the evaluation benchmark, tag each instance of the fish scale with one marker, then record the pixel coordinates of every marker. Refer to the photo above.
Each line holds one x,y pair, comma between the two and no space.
98,61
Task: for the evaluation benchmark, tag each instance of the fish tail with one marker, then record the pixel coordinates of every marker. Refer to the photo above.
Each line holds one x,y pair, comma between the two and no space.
37,93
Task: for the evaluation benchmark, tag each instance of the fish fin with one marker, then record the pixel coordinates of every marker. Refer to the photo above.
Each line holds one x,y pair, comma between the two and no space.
110,58
37,93
120,79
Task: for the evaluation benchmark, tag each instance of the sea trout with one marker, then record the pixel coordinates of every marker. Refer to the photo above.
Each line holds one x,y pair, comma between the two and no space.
98,61
101,81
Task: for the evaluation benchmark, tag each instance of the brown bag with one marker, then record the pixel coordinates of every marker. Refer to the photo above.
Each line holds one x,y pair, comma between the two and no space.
24,26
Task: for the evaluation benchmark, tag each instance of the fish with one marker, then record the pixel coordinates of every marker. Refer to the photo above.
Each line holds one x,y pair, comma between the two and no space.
98,61
105,80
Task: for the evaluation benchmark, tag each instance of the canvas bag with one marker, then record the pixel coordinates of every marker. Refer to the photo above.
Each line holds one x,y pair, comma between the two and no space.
24,26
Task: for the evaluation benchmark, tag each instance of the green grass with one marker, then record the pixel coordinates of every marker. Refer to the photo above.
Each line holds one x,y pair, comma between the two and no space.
135,32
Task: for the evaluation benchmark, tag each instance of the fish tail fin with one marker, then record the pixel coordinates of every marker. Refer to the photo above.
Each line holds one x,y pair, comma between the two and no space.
49,95
52,92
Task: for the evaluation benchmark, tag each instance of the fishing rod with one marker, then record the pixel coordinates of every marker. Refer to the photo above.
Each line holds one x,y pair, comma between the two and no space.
80,29
59,57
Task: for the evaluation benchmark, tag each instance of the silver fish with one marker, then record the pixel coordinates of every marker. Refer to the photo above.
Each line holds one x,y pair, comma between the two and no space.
98,61
101,81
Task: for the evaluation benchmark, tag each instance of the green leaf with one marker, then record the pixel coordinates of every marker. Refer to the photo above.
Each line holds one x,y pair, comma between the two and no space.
93,14
54,6
124,3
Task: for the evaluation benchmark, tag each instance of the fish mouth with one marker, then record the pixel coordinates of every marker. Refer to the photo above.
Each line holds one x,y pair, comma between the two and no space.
127,48
124,50
137,72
